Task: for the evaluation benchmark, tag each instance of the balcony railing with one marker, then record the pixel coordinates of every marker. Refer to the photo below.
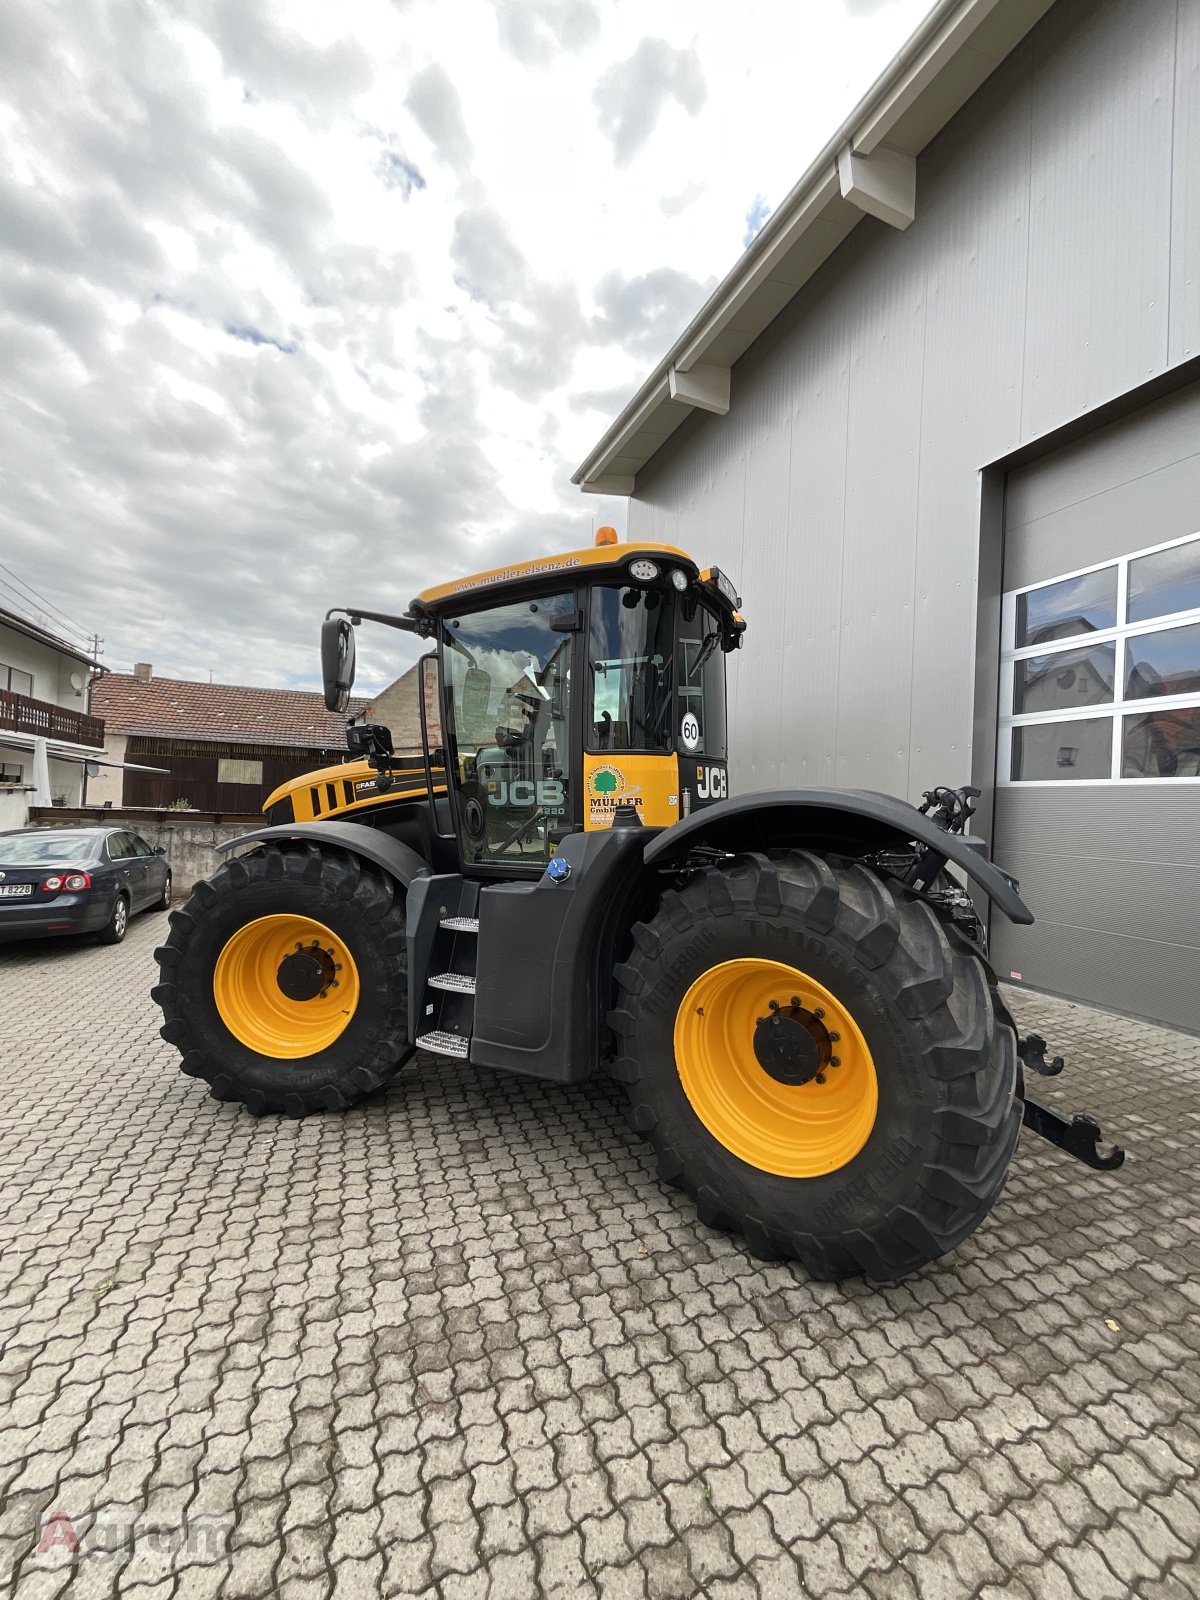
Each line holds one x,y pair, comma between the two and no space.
25,715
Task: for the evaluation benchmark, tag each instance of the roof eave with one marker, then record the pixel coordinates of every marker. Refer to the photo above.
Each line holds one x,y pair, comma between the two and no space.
867,168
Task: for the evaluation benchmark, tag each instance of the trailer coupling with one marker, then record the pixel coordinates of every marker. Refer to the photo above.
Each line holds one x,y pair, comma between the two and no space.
1078,1135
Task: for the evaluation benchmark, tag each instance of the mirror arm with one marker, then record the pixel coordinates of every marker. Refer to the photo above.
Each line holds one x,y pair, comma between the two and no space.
406,623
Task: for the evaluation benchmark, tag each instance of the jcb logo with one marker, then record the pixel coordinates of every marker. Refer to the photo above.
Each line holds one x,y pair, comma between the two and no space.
711,783
549,792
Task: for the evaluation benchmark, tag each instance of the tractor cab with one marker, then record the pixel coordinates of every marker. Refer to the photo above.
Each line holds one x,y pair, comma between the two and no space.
568,694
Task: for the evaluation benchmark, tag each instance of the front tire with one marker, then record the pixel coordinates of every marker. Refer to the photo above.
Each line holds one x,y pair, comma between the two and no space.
817,1065
284,981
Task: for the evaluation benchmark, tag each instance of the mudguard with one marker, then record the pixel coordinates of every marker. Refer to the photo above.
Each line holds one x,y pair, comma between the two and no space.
853,822
395,858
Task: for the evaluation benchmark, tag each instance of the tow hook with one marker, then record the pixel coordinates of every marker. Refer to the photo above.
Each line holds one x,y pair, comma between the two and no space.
1078,1135
1032,1051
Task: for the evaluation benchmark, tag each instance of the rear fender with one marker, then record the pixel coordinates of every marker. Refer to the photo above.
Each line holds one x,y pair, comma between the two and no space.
390,855
851,822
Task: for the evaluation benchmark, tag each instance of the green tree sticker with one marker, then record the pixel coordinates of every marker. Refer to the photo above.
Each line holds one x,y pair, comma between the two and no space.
604,782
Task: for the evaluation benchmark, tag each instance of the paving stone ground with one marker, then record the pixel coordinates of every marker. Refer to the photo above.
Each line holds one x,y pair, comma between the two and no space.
459,1343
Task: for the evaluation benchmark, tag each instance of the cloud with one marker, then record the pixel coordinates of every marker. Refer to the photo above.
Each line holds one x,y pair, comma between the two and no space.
433,101
536,31
278,63
397,173
646,313
256,336
536,325
758,213
673,205
632,94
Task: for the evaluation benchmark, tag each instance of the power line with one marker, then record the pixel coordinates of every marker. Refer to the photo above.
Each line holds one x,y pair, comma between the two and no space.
51,623
37,595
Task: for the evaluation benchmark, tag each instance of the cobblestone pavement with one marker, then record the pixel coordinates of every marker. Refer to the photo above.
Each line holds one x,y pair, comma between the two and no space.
459,1343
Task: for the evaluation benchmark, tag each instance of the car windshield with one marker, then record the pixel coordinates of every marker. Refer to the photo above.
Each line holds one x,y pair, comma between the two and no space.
45,849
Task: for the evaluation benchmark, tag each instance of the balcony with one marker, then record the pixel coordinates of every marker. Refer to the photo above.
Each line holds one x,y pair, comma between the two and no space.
38,717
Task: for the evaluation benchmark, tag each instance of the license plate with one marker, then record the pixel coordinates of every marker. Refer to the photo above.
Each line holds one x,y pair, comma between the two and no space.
11,891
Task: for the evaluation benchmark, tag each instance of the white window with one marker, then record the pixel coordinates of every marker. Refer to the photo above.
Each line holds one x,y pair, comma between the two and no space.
1100,672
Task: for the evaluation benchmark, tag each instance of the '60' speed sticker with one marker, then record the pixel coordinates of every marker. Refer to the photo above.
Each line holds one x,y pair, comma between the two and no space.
689,731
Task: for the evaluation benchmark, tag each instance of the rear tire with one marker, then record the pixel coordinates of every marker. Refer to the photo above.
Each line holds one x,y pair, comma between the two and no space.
163,903
362,916
947,1116
117,926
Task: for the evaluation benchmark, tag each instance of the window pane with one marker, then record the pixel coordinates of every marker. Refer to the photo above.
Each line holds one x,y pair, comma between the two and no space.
1163,663
1162,744
508,729
702,689
1063,750
1167,581
1072,606
629,655
1064,680
230,770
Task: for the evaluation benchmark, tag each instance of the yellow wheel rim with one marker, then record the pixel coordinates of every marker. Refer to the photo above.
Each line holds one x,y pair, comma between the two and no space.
285,986
755,1043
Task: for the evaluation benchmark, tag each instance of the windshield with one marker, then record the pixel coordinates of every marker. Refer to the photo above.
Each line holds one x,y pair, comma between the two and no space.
46,849
630,649
508,674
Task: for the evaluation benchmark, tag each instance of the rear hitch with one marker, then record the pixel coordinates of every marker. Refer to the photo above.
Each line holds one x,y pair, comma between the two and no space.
1078,1135
1032,1051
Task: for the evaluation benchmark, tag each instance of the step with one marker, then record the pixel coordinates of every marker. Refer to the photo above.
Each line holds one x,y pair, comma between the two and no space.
456,982
461,924
445,1044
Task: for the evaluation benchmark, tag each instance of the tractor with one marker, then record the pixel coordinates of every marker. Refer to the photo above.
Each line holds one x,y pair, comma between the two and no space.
792,987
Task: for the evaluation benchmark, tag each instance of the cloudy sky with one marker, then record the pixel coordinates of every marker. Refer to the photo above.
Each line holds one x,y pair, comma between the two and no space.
306,303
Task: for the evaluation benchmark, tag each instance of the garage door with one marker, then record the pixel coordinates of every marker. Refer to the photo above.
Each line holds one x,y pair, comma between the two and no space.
1098,759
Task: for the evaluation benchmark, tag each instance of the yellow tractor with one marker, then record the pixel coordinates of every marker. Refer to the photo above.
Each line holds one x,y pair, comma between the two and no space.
793,986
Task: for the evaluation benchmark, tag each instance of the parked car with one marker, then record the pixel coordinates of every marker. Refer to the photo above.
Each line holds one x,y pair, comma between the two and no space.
78,880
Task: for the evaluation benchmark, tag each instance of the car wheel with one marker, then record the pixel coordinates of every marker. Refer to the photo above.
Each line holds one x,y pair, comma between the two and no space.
117,925
163,903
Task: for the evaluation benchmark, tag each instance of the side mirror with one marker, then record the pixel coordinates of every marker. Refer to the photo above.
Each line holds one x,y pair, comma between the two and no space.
160,851
337,662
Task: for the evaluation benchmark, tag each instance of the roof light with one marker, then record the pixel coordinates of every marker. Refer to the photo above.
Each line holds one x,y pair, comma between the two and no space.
679,578
606,536
643,571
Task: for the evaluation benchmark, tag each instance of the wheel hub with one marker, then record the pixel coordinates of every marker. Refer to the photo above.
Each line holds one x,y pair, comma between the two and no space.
306,973
792,1045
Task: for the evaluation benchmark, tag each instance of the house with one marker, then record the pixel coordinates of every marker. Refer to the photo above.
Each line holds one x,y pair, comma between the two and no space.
940,421
44,715
398,708
221,747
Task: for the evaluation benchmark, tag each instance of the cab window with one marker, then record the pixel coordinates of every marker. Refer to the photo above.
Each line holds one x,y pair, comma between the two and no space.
701,695
631,669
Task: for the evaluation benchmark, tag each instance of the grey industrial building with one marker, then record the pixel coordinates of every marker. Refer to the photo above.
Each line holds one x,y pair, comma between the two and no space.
942,424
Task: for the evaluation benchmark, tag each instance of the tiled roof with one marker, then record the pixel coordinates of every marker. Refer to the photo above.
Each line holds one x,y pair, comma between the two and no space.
174,708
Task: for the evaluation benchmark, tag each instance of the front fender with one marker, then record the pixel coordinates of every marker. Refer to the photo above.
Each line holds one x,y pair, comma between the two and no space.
398,860
851,822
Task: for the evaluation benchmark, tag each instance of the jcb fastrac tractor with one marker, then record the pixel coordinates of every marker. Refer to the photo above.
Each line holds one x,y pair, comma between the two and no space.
793,987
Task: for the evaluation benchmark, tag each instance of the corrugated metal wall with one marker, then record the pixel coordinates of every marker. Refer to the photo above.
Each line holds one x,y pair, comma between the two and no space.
1054,263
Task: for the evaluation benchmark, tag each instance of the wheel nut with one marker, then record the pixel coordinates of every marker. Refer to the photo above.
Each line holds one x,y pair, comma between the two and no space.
819,1012
820,1077
834,1037
835,1061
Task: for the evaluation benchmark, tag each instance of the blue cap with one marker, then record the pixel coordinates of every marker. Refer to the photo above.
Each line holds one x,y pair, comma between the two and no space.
558,869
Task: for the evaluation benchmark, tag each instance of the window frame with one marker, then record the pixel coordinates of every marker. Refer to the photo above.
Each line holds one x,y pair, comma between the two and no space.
1116,710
